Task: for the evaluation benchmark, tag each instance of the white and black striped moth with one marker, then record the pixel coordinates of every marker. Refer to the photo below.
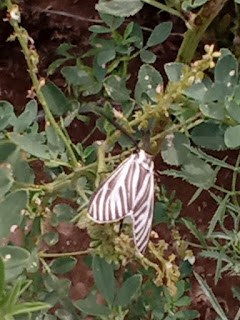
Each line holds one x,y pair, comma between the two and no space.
128,191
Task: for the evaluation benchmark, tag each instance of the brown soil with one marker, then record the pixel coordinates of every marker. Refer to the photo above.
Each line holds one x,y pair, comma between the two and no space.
49,31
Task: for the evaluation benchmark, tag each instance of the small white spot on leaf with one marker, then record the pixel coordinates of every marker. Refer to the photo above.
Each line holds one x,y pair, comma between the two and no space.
7,257
13,228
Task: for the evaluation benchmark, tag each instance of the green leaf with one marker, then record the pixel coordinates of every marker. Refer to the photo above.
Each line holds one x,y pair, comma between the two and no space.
54,65
6,149
55,98
218,217
185,269
10,211
148,80
196,172
197,91
63,314
183,301
236,292
195,196
160,34
99,29
29,307
16,260
226,71
2,277
60,286
12,296
233,110
90,307
190,5
55,143
62,50
76,76
112,21
104,278
64,212
158,313
147,56
160,213
103,44
120,8
187,314
128,291
22,171
211,297
89,154
128,30
27,117
116,88
213,110
174,151
174,70
209,135
138,35
6,179
180,290
63,265
212,160
6,114
194,230
32,143
99,72
33,261
51,238
105,56
232,137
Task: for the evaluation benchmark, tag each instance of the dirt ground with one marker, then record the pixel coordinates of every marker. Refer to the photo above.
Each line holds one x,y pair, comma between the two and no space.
49,30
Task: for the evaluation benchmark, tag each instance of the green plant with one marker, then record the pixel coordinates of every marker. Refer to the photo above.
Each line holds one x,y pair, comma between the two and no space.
10,297
152,301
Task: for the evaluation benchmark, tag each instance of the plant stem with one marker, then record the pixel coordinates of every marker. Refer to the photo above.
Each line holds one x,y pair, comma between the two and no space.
222,189
197,28
234,181
45,265
65,254
163,7
32,61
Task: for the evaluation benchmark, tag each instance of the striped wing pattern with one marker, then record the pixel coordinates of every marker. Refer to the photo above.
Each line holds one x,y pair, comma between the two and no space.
129,191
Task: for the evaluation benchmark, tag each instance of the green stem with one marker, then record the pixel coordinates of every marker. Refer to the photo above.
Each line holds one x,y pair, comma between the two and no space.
32,61
197,28
222,189
230,193
45,265
191,121
163,7
66,180
234,181
65,254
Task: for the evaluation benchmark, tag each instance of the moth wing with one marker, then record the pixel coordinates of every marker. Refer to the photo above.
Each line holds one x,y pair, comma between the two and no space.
143,211
111,201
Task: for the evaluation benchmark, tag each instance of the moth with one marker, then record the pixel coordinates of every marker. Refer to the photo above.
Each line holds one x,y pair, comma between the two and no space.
128,191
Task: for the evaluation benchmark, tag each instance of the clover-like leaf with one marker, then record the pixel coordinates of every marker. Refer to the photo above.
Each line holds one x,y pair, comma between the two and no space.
120,8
